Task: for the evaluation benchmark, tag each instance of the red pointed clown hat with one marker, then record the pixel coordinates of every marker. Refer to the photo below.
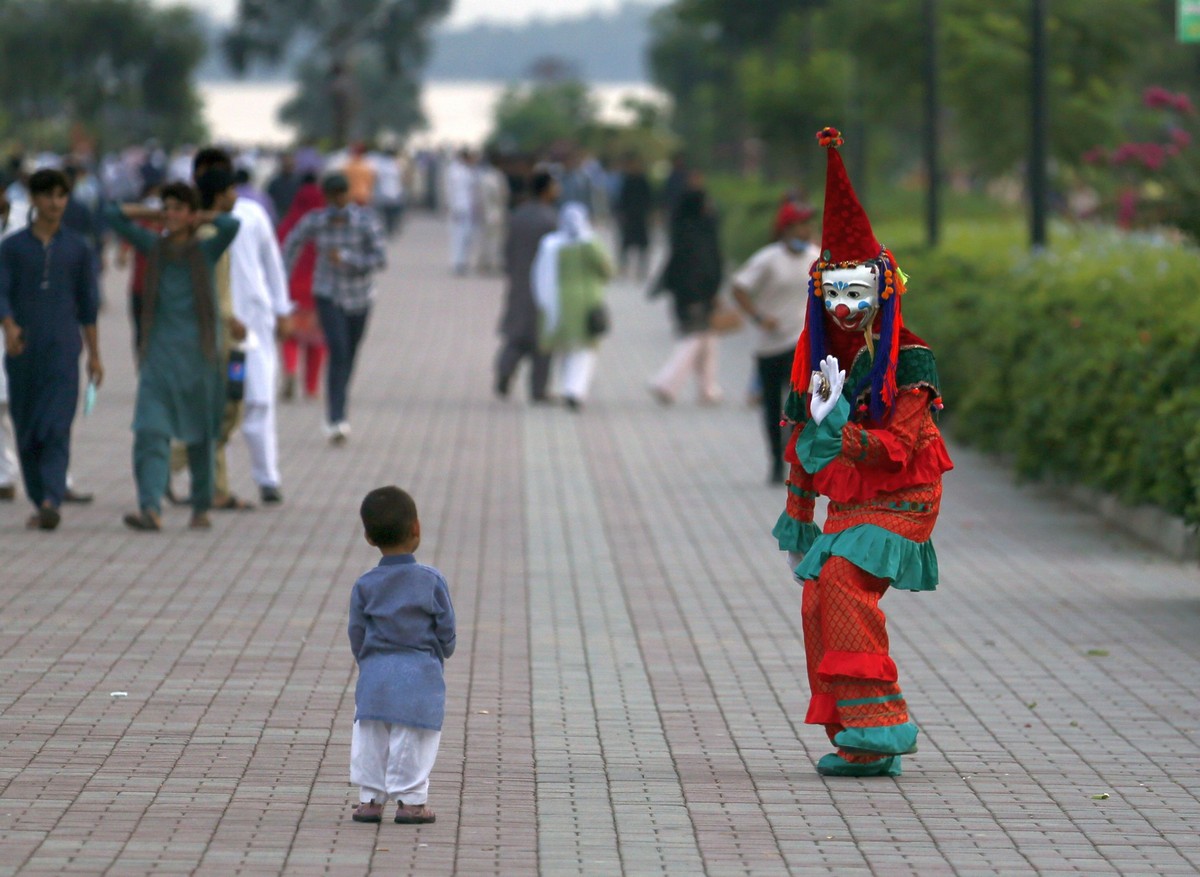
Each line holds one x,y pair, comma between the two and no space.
848,240
846,235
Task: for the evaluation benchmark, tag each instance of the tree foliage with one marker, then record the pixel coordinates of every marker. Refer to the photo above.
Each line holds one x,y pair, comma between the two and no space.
530,118
382,105
361,77
777,70
120,68
547,117
688,61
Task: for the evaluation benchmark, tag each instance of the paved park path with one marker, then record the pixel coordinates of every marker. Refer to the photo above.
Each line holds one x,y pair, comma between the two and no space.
629,686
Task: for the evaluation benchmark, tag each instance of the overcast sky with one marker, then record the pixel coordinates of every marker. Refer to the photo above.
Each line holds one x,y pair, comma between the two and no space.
464,11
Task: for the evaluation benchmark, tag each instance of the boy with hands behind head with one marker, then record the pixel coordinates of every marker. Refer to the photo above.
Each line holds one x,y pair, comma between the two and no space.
401,632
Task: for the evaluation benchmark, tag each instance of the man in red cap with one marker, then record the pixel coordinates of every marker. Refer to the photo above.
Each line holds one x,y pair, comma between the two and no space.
864,391
772,288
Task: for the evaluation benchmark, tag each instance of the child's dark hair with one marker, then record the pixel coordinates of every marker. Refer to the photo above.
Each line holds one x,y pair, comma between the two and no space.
183,193
48,180
388,515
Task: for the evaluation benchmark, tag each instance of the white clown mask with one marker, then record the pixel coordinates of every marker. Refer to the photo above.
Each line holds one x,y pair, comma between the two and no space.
851,295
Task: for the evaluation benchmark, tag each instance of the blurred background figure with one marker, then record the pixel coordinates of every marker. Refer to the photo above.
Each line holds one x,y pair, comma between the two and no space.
772,289
493,194
83,212
360,174
634,202
692,277
577,183
283,186
306,334
569,275
12,219
389,189
461,194
243,179
529,223
350,249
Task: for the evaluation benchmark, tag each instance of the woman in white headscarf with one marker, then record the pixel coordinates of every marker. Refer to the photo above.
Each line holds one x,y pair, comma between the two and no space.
569,275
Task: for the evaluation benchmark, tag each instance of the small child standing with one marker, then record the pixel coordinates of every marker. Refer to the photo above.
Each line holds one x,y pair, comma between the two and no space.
401,632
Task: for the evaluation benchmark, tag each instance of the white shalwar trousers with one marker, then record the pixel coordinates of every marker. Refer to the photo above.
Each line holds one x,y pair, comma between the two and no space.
692,353
10,470
576,368
258,411
392,761
258,428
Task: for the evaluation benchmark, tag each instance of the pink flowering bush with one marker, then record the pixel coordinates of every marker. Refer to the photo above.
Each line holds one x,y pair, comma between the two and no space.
1154,177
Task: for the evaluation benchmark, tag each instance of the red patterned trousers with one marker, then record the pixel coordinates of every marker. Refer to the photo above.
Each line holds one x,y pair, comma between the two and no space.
853,680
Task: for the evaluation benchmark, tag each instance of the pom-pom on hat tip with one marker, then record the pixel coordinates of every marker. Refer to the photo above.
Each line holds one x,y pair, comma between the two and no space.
830,137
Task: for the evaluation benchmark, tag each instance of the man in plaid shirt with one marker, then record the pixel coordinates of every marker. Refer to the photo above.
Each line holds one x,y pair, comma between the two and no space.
349,241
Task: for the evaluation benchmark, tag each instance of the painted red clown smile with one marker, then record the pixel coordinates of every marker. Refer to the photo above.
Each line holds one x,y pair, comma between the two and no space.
847,319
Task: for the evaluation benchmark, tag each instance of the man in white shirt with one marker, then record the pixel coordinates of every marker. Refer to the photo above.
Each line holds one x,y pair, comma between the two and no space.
772,288
460,201
260,301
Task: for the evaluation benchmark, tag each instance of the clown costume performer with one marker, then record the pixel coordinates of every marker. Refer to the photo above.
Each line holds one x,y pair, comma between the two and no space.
864,392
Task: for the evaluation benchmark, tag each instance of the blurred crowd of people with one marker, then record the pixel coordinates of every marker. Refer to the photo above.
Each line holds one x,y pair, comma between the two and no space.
556,271
241,265
251,280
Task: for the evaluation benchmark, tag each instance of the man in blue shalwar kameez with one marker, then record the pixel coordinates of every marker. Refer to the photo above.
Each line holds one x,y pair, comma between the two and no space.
48,300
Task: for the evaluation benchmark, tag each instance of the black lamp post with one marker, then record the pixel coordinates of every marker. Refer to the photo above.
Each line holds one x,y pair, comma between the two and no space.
1039,135
933,172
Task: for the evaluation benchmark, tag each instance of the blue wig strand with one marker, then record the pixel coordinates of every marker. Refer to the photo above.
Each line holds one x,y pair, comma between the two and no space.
815,323
883,357
879,365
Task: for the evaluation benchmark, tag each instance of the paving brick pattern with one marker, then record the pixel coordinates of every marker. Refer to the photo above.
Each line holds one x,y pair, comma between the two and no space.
629,688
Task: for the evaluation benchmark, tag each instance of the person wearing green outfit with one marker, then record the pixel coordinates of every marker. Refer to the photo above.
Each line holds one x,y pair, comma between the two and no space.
181,384
569,274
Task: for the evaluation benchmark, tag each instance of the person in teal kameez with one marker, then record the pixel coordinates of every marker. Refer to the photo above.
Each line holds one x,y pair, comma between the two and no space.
181,381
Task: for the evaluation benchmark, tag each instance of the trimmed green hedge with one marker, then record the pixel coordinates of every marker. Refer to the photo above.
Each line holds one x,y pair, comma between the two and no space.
1081,363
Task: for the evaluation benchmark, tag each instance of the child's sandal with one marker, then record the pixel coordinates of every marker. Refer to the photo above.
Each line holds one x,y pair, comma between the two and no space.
368,811
414,814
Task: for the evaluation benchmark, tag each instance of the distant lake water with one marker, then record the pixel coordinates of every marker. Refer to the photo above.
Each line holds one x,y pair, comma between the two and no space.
459,113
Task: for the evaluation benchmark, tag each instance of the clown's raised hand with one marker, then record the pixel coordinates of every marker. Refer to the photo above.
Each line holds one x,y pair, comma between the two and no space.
825,388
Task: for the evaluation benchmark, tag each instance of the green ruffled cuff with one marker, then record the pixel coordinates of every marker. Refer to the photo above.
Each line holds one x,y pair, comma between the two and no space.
908,565
819,444
793,535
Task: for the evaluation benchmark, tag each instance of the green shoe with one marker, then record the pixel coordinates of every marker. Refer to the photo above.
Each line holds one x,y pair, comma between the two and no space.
884,740
833,765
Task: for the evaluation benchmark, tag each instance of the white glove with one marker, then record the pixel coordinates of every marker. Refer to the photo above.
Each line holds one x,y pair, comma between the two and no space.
825,388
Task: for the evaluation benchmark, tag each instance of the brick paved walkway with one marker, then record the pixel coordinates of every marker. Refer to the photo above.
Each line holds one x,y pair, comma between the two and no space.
629,685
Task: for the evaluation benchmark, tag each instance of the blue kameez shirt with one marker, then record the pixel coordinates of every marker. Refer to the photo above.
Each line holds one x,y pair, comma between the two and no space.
401,632
49,290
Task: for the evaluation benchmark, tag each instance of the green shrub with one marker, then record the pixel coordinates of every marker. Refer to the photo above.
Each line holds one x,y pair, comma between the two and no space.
1082,363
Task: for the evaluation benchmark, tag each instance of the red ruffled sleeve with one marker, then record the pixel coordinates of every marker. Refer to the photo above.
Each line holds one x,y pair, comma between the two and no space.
905,452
